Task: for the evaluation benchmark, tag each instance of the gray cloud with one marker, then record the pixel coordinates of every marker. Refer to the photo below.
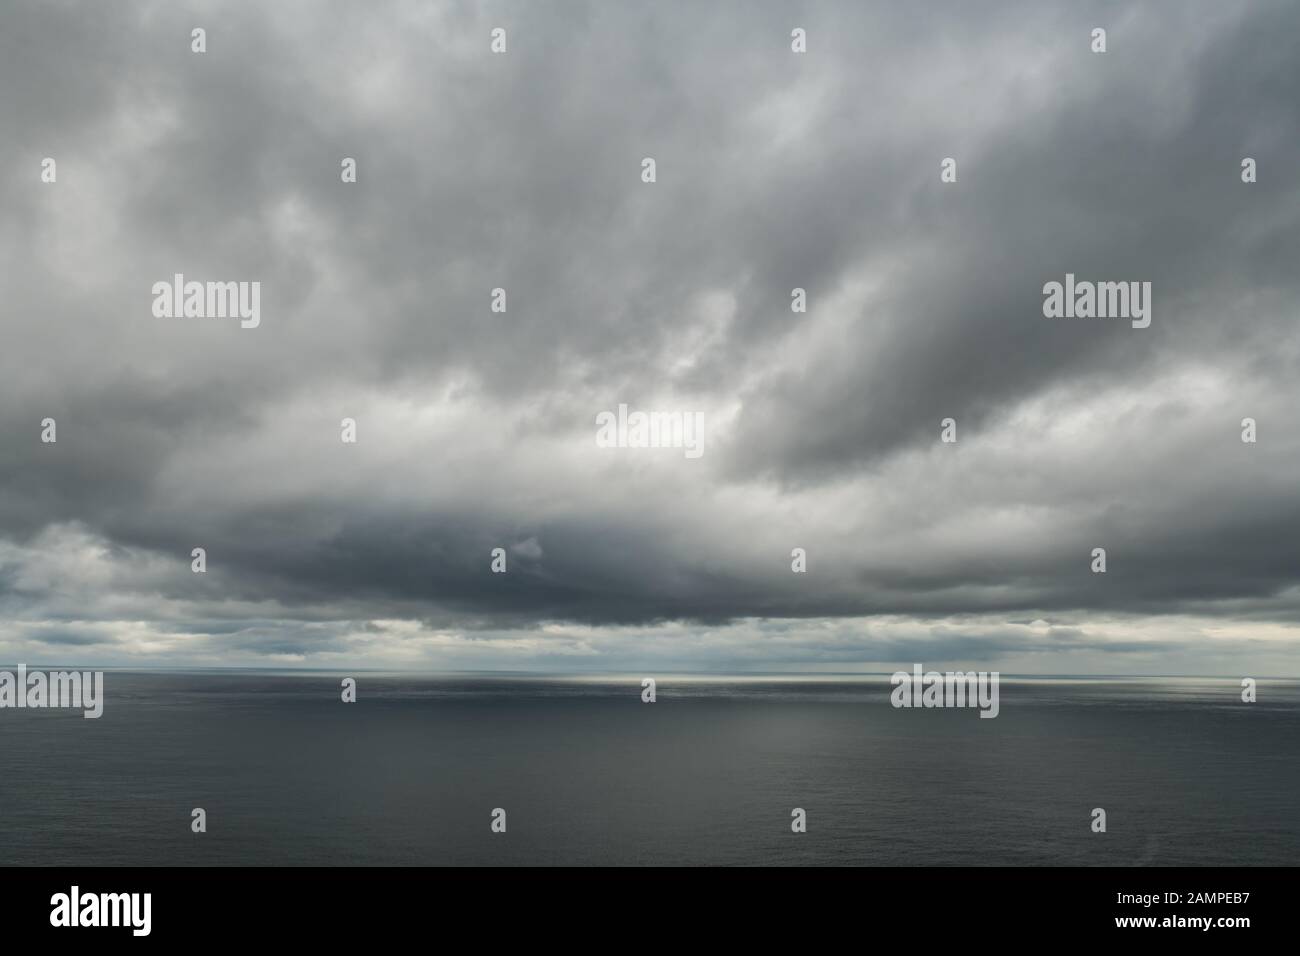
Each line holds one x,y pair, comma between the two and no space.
476,428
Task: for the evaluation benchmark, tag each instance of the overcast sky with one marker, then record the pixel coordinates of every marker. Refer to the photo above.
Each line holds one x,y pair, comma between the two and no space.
476,429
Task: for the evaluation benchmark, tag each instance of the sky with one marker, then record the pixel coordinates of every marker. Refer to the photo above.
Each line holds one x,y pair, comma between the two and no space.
476,429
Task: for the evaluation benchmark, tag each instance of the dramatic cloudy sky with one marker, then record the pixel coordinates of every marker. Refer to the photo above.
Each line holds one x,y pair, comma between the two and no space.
477,430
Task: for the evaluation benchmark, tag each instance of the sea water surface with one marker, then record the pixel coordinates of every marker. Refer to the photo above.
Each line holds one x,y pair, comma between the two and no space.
587,773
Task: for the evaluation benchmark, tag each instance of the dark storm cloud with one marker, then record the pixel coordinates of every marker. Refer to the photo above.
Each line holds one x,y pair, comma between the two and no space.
522,171
73,639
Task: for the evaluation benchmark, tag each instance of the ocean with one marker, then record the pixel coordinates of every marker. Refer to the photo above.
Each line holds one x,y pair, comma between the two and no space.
709,774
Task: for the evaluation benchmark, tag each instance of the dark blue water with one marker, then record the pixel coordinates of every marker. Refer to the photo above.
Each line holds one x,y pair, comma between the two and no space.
587,773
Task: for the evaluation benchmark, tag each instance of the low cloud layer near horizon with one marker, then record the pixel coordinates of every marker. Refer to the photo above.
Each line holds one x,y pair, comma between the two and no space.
476,429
